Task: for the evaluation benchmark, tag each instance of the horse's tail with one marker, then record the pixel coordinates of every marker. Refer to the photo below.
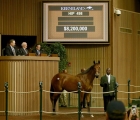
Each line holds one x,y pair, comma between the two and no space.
51,94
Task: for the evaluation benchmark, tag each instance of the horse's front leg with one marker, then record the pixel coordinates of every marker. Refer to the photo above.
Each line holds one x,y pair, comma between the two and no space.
81,103
88,103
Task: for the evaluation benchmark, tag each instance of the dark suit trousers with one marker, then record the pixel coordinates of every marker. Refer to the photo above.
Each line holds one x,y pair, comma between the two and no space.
107,99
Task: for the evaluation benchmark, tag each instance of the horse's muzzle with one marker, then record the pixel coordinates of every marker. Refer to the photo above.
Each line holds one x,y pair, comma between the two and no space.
96,75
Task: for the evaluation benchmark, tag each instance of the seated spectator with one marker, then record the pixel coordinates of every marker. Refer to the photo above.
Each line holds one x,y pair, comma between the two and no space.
3,52
37,50
11,50
116,111
23,50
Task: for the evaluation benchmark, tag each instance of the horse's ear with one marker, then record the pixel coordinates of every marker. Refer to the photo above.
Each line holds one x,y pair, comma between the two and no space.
94,61
99,61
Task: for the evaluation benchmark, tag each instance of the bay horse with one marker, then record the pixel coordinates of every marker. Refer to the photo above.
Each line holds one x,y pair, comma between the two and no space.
69,82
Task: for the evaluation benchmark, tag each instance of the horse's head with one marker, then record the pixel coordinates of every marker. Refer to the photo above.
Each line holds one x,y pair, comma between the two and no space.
96,68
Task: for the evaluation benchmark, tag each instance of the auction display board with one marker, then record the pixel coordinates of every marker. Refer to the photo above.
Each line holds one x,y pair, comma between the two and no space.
75,22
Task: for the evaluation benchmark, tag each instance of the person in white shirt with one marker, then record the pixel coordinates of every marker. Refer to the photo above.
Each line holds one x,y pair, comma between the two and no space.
108,82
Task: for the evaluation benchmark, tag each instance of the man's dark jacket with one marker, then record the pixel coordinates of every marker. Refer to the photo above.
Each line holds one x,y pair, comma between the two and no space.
106,86
22,51
9,52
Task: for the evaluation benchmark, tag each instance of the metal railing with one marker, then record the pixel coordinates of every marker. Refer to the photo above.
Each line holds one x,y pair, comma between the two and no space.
79,92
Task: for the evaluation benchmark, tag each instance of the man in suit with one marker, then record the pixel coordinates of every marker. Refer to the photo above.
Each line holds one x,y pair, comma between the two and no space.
10,49
108,82
23,51
37,50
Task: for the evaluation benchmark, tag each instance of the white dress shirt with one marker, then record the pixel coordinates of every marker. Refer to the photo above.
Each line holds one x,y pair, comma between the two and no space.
25,50
13,50
108,76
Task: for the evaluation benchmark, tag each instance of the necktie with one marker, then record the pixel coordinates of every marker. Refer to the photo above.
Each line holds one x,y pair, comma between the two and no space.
38,52
25,51
13,50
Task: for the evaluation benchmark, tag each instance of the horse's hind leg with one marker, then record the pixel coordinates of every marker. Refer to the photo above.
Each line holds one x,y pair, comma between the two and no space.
55,98
81,103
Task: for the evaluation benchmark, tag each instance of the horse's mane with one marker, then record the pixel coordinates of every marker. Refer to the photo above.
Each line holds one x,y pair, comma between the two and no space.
86,71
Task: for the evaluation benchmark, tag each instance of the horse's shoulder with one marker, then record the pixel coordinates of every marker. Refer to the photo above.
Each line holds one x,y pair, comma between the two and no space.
80,75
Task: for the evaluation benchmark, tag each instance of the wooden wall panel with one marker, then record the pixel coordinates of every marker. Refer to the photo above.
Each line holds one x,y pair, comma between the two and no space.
137,45
20,17
24,76
125,51
125,4
130,5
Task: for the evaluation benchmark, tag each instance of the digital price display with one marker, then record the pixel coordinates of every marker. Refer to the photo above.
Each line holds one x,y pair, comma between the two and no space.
75,22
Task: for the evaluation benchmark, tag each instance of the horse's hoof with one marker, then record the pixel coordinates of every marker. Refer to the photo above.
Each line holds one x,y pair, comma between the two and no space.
53,113
82,116
91,115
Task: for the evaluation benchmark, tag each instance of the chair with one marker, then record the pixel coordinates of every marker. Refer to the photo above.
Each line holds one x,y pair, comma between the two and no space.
3,52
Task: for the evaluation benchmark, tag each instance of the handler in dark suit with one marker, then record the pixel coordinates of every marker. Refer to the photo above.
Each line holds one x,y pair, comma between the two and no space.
23,51
11,50
108,82
37,50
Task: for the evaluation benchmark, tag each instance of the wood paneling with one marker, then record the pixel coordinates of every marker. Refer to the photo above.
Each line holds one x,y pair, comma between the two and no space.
20,17
126,51
0,45
24,17
23,74
130,5
125,4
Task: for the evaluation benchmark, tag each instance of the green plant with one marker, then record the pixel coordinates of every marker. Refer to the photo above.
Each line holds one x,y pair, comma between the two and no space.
45,48
58,48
